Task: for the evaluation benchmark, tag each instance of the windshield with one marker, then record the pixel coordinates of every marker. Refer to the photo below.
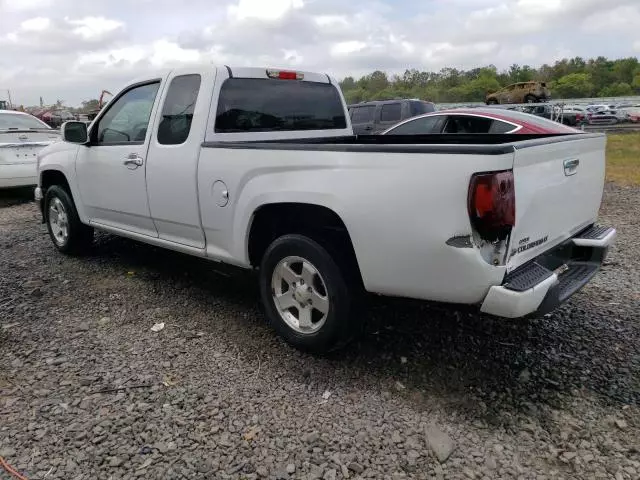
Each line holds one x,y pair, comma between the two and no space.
13,121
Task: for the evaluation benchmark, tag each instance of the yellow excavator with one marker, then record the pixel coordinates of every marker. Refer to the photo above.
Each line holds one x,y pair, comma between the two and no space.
101,104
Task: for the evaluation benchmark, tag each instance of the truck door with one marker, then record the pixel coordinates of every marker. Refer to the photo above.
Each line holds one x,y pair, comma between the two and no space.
390,114
111,168
362,119
173,156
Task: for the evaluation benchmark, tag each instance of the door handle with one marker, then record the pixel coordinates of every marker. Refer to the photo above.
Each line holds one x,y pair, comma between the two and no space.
133,160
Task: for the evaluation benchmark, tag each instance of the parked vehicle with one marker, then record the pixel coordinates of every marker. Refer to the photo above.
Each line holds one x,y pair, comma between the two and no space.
522,92
477,120
22,136
260,169
607,117
574,109
375,117
557,114
599,108
634,115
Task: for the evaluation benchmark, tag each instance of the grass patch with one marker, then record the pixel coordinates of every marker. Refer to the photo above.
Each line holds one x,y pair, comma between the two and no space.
623,158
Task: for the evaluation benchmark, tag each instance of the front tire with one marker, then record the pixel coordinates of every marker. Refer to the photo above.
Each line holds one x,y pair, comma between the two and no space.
68,234
308,298
531,99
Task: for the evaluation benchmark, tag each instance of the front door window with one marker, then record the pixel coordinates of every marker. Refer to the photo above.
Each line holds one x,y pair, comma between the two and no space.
127,119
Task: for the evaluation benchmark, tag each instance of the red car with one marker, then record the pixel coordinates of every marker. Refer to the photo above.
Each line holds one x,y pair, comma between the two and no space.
478,120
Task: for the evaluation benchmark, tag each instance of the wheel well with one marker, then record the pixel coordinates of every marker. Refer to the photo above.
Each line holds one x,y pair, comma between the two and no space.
54,177
319,223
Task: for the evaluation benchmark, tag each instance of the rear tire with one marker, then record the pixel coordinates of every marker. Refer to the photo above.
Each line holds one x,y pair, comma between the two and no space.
531,99
492,101
68,234
309,299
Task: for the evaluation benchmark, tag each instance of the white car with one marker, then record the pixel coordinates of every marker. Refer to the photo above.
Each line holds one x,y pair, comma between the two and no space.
574,109
22,136
259,168
598,108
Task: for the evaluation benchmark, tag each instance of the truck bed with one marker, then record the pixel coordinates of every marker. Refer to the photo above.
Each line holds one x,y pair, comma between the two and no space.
475,143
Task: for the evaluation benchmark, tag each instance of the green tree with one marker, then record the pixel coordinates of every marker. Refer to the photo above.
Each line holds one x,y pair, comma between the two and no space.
574,85
601,71
90,105
621,89
348,83
624,69
568,78
636,80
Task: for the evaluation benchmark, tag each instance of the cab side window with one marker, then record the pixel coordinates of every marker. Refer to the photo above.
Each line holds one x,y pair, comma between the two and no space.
177,111
391,112
127,119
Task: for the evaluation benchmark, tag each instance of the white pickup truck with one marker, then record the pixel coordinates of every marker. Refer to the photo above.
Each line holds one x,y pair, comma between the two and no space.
260,169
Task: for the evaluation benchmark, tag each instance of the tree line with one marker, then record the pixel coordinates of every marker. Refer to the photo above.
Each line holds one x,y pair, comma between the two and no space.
567,78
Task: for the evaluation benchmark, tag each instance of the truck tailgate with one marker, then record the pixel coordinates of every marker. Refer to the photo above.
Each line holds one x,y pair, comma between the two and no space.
558,185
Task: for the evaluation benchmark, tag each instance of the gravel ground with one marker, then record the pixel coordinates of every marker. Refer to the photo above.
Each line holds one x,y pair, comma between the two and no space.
88,391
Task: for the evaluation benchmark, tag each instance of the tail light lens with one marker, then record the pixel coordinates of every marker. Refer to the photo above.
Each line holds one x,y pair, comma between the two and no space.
492,204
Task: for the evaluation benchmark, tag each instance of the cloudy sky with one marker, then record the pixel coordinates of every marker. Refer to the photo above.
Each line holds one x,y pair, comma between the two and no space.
72,49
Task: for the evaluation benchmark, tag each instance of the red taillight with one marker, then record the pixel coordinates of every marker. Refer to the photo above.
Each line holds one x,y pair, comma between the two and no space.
492,204
579,117
285,75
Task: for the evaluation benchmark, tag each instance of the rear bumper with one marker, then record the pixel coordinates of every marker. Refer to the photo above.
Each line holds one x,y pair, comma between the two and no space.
549,280
18,175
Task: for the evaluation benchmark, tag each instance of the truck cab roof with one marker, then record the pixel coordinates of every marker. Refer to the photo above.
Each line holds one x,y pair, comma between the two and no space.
238,72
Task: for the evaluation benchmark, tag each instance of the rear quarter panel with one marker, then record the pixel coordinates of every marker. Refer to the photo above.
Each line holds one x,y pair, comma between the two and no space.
399,209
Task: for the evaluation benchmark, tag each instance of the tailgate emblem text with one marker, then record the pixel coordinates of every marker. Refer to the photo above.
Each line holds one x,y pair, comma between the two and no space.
524,245
571,166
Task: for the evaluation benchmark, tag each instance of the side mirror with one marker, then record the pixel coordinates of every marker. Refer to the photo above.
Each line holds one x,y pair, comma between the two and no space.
75,132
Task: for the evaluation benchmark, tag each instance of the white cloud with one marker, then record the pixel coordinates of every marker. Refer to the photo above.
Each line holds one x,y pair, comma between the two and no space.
24,5
37,24
166,53
91,45
520,17
94,27
331,21
292,57
528,52
130,55
44,35
263,9
624,18
346,48
440,52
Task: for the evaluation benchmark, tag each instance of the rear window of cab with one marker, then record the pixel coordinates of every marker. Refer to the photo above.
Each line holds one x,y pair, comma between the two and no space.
273,105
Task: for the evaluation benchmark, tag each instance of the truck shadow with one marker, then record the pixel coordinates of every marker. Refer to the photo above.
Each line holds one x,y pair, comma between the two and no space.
15,196
482,366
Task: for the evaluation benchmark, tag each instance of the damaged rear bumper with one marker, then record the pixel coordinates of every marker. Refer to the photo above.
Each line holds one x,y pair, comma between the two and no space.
550,279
